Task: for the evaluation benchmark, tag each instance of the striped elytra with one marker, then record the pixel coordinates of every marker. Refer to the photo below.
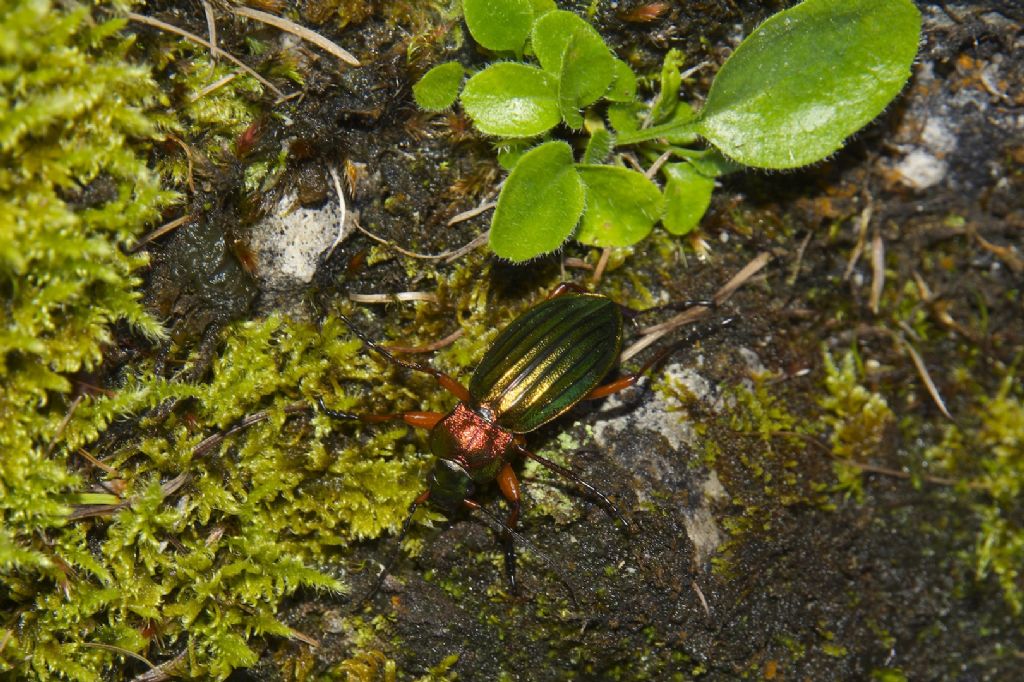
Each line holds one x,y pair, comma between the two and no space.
547,360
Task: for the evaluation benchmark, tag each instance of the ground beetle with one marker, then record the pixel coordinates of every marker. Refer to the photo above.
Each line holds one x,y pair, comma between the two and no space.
547,360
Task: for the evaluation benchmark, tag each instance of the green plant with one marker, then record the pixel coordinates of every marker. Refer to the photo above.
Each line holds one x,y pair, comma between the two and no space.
986,454
790,95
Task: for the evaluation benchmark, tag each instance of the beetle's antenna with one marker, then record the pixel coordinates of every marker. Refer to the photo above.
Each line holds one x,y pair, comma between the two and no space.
562,471
446,382
406,524
632,313
519,537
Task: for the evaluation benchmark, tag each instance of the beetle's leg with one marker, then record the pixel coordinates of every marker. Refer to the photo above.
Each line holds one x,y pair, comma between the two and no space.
562,471
446,382
423,420
633,313
565,288
406,524
509,486
625,382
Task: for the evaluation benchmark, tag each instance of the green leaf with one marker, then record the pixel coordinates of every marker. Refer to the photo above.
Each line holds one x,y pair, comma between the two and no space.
622,206
809,77
599,146
540,204
625,117
570,48
439,87
687,197
512,100
510,150
623,87
708,162
542,7
499,24
668,95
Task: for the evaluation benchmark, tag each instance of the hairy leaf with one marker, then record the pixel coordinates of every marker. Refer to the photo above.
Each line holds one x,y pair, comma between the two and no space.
809,77
512,100
622,206
540,204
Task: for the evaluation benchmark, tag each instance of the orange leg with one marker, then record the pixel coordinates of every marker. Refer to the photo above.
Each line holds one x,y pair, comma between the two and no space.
565,288
625,382
509,486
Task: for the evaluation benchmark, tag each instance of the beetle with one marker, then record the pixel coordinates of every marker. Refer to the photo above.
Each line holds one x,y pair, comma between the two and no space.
542,364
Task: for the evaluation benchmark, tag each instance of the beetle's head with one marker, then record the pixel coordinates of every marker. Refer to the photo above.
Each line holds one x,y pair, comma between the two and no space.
449,484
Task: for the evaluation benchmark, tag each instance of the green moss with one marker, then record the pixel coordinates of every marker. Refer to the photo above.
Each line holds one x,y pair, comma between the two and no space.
986,456
74,113
857,419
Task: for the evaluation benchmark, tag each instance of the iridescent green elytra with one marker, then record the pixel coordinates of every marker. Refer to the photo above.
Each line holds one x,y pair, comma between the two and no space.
547,360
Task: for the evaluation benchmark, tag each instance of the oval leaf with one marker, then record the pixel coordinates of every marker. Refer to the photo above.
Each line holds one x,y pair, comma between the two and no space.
809,77
622,206
512,100
687,197
499,24
439,87
623,87
539,205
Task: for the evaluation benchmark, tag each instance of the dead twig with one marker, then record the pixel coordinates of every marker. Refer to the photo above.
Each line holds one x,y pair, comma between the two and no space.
602,263
471,213
424,296
296,30
690,315
342,210
160,231
171,28
878,272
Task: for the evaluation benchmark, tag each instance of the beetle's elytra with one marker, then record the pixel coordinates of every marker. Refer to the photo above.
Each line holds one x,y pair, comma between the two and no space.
544,362
547,360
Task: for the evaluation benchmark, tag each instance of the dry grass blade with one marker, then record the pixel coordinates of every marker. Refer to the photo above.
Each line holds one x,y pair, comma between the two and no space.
342,211
878,272
926,377
862,235
298,31
171,28
211,25
161,231
690,315
424,296
472,213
